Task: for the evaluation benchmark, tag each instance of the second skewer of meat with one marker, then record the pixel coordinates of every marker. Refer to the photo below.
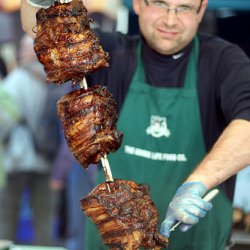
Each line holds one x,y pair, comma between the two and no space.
89,120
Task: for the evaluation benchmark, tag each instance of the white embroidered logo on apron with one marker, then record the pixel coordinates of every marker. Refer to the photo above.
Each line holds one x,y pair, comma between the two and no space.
158,127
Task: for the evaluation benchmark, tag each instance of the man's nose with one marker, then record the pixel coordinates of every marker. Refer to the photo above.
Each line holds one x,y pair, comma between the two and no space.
170,17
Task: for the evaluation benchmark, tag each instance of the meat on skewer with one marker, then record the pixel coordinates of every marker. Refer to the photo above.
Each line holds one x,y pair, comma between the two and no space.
89,119
126,218
66,45
125,215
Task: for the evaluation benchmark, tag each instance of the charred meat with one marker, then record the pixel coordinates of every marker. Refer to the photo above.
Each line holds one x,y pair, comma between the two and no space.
89,121
65,43
126,217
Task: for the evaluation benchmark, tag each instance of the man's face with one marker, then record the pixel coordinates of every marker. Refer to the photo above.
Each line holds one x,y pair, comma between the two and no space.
167,31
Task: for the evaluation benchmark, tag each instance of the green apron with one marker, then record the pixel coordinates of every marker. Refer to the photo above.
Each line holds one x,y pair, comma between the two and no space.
162,144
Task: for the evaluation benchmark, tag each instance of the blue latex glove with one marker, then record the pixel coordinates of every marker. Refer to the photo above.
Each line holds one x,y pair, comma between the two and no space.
186,206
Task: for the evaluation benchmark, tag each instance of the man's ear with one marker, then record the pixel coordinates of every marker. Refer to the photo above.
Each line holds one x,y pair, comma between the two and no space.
136,6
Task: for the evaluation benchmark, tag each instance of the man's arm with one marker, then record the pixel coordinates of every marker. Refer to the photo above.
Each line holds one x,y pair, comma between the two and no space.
28,17
230,154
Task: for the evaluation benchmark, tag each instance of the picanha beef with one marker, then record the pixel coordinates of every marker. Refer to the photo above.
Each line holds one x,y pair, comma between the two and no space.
126,217
65,43
89,121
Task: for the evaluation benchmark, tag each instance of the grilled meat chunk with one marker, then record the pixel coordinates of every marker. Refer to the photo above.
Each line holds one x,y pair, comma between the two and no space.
65,43
89,121
126,217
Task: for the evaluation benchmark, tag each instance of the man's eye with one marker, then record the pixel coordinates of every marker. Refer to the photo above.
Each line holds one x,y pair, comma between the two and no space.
184,9
159,3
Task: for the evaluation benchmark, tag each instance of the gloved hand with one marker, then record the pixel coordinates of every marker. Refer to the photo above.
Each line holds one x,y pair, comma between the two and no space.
186,206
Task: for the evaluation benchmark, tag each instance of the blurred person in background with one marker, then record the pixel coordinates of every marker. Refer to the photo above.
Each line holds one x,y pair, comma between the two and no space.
184,108
29,148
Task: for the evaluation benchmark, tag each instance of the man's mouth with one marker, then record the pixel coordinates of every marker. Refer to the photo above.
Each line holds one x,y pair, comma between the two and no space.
168,34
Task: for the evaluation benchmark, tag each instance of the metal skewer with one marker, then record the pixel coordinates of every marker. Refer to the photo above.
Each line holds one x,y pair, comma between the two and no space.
104,160
107,169
83,83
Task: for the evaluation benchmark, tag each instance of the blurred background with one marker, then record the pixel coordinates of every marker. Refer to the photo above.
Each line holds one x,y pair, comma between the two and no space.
229,19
